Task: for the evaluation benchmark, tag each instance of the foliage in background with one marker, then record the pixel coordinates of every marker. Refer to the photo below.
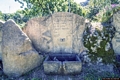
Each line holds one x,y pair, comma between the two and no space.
18,17
38,8
1,15
102,10
46,7
96,10
105,14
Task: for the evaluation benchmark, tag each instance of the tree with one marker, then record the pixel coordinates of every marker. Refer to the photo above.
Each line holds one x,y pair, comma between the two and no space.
6,17
115,1
45,7
95,6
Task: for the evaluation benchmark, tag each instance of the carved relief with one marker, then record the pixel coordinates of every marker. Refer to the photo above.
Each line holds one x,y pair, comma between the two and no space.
58,33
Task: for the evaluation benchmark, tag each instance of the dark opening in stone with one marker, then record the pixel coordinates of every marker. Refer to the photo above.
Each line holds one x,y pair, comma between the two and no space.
63,57
62,64
1,65
62,39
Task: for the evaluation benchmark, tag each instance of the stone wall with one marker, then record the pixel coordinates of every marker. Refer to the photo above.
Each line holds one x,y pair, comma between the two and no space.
116,39
60,32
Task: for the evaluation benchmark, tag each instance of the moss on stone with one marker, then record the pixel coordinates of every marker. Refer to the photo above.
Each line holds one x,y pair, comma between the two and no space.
107,56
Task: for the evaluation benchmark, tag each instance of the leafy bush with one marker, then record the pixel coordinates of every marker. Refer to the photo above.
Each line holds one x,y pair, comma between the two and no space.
105,14
96,44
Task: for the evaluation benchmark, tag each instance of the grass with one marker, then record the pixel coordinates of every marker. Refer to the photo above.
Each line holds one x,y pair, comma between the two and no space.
87,73
93,76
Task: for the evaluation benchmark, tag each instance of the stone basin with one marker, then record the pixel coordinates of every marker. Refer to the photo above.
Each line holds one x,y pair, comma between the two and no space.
62,64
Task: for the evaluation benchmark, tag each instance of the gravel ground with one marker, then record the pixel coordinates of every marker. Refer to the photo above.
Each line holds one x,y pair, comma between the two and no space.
89,72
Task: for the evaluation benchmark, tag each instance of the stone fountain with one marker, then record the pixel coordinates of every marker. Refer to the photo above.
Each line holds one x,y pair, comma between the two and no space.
60,35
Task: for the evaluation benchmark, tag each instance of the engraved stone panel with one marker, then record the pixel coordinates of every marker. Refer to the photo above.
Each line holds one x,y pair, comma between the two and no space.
60,32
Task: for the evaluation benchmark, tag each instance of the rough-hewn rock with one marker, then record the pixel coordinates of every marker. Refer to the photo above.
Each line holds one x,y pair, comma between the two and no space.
57,33
18,54
116,21
116,39
1,24
116,43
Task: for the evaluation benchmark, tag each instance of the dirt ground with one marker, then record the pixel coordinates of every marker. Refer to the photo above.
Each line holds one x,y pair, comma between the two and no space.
89,72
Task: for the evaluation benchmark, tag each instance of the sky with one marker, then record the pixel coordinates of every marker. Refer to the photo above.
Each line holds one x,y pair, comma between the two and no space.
10,6
78,1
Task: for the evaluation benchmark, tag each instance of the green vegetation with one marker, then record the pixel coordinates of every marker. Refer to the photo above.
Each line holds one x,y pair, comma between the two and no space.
96,10
105,15
19,17
46,7
94,76
89,74
97,43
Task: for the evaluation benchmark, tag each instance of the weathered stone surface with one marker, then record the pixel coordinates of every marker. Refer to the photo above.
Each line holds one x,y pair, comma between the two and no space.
1,24
116,21
116,43
62,64
52,67
18,54
72,67
116,39
57,33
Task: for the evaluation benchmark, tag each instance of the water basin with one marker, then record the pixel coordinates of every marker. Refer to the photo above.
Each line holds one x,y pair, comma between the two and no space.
62,64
